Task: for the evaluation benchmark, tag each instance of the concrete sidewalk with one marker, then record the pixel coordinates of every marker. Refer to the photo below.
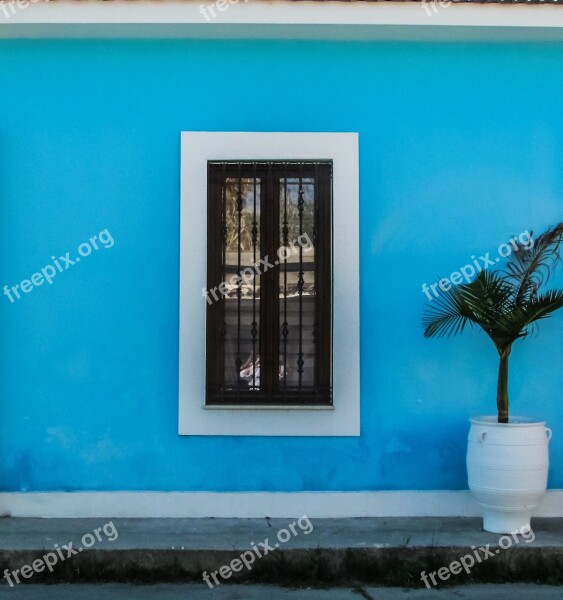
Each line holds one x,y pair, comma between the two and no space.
388,551
258,592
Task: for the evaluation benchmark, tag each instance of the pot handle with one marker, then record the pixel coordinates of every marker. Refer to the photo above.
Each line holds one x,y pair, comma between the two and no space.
483,437
549,434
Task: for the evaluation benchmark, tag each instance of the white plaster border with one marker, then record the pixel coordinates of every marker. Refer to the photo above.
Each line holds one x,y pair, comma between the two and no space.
253,505
283,19
343,419
285,12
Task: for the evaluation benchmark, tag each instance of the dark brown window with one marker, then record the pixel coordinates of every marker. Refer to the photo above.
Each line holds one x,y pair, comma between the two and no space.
269,283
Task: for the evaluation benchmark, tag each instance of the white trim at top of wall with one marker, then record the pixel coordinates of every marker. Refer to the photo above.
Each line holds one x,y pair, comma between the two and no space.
253,505
286,12
283,19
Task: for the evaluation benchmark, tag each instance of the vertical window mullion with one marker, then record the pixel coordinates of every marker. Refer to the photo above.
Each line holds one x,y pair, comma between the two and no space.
300,279
285,243
271,322
254,330
275,280
265,288
317,198
324,311
222,245
215,325
238,360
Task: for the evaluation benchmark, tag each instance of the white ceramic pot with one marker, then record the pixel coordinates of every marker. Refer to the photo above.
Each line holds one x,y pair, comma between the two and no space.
507,466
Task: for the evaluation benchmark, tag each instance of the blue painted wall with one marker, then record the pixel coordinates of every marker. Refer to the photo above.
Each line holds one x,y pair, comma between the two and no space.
461,148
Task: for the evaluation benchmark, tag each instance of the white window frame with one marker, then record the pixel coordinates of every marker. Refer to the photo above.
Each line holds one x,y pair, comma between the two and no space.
341,419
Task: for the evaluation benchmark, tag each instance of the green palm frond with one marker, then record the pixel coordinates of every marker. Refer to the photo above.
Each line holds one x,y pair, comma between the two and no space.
504,306
448,314
487,301
530,268
540,307
490,298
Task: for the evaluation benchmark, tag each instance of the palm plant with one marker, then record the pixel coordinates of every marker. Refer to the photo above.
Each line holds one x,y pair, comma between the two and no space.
504,304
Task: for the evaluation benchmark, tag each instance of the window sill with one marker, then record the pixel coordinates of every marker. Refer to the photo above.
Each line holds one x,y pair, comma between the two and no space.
264,407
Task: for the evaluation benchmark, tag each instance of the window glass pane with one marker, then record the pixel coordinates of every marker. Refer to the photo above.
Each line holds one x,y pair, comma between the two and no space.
241,250
297,290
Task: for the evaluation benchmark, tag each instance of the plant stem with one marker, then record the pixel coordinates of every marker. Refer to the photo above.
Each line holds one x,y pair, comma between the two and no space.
502,389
